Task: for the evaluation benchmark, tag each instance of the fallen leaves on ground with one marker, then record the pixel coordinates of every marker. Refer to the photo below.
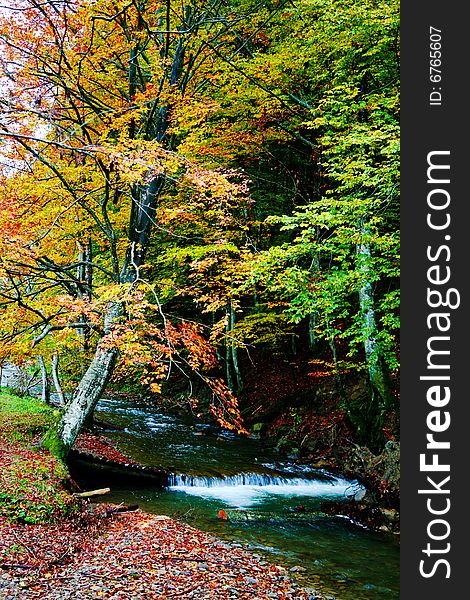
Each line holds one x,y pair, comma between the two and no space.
133,556
101,447
32,484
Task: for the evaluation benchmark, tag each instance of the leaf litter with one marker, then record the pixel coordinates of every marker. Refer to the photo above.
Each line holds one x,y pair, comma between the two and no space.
132,555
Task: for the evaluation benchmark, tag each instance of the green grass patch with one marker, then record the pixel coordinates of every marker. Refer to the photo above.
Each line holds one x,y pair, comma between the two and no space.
24,416
32,482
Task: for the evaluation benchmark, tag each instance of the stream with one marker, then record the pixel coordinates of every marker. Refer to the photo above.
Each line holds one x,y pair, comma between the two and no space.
272,504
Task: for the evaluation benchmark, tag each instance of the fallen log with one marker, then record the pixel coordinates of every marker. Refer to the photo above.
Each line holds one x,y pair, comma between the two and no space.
91,493
103,471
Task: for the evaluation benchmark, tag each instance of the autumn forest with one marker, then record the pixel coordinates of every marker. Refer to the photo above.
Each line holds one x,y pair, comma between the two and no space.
199,205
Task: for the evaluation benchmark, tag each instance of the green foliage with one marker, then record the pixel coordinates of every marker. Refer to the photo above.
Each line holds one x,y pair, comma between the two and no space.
355,124
267,329
279,210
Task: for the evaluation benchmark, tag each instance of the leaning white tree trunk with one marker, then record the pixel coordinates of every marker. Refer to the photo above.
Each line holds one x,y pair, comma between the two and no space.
60,438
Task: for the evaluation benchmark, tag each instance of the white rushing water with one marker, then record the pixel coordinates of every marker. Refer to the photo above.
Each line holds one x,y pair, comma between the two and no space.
250,489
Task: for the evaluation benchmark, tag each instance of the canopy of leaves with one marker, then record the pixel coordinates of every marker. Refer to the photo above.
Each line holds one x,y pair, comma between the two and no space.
271,132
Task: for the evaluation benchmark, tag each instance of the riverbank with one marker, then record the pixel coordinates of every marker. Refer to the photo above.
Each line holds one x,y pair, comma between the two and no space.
54,546
133,555
309,425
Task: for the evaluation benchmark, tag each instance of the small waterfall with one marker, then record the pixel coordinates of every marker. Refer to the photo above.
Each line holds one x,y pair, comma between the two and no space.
247,489
258,479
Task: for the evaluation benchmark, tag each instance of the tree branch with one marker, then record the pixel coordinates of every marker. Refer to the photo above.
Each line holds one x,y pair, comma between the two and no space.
81,325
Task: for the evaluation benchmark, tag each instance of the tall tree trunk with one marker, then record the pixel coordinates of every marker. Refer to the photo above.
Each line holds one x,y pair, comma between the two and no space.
312,338
293,345
85,276
56,380
312,319
234,350
80,408
228,352
382,396
45,387
334,353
